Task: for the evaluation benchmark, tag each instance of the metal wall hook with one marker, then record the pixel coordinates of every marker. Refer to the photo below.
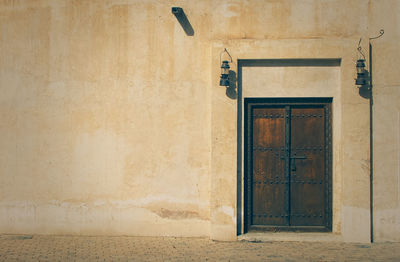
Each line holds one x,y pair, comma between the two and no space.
225,51
381,32
359,48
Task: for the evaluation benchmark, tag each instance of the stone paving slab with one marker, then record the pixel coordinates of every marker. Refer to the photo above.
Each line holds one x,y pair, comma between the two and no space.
84,248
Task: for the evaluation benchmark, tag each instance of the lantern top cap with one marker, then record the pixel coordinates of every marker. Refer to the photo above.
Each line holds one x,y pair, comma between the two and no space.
360,63
225,64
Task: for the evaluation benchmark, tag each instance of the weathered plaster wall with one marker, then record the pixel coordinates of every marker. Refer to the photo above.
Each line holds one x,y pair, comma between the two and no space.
112,120
105,118
386,79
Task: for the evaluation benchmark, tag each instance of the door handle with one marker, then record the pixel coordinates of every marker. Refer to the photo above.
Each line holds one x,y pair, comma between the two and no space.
293,161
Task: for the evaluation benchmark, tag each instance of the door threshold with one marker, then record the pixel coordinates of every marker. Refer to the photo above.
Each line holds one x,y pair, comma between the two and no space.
265,228
291,236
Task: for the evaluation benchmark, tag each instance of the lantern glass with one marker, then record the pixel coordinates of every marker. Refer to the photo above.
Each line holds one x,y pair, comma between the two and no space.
360,81
360,66
225,68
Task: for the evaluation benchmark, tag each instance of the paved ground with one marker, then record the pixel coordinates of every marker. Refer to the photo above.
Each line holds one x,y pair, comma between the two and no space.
74,248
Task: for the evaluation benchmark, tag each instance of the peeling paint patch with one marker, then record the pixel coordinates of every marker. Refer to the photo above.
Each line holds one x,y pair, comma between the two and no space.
154,199
177,214
229,211
230,10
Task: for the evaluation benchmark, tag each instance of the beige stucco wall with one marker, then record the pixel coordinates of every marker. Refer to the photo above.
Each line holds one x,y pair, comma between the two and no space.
105,119
112,120
386,78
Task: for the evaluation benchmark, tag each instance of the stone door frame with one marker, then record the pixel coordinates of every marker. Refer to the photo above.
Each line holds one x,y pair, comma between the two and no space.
351,185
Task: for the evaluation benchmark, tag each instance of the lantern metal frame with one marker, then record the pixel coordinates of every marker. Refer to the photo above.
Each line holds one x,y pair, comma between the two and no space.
364,77
224,79
362,74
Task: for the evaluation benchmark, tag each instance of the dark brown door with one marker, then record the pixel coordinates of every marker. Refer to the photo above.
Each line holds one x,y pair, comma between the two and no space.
289,173
270,186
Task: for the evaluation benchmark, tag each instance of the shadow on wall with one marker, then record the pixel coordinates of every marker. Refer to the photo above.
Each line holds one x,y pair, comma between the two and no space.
182,19
365,90
231,90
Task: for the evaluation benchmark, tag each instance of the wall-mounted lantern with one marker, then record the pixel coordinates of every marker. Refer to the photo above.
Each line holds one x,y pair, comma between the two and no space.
224,79
364,78
362,74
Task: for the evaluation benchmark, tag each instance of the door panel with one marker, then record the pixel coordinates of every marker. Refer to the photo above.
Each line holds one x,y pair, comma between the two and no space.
307,191
289,182
269,186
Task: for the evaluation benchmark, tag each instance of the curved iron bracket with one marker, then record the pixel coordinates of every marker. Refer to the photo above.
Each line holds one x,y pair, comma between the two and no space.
381,32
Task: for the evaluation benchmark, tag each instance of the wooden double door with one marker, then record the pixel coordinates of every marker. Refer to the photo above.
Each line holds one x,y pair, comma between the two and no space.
288,163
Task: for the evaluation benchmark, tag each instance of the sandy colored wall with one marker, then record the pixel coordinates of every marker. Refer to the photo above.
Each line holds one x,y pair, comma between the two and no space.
112,120
386,79
104,119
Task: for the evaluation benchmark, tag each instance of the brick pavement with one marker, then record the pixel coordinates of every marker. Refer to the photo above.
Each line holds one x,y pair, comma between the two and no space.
83,248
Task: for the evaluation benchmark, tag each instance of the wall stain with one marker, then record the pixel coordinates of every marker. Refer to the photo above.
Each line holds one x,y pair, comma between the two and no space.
178,214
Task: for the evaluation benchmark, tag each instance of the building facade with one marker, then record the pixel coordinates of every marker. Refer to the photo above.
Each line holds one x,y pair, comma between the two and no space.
113,121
